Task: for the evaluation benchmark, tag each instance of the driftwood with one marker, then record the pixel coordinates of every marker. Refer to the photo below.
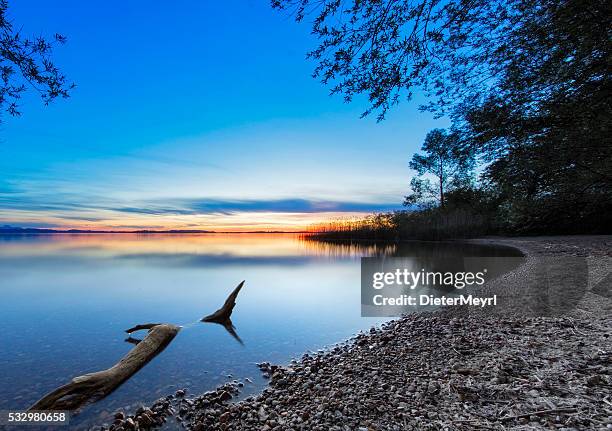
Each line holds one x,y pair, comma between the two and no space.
223,315
95,386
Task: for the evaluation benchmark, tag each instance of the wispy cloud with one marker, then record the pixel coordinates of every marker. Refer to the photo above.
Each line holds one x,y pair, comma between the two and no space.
220,206
70,204
81,218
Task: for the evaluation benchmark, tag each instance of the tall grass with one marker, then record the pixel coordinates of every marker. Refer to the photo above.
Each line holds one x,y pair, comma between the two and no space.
374,227
429,224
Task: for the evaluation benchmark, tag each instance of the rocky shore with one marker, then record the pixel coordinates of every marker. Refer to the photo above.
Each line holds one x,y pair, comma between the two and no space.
445,370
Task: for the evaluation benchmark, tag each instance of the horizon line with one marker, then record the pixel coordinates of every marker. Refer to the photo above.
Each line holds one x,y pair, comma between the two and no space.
38,231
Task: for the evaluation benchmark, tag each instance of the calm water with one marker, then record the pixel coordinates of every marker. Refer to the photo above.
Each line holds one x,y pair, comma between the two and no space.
67,299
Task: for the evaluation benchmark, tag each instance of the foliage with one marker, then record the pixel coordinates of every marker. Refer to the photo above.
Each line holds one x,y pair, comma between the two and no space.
26,62
446,161
547,128
386,49
526,82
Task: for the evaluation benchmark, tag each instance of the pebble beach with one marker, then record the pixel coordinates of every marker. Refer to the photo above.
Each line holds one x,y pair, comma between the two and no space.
445,370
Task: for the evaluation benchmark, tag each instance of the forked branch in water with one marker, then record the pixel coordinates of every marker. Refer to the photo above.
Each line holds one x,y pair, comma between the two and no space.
224,313
223,316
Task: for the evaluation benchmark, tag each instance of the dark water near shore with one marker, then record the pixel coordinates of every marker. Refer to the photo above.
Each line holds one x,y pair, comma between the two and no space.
66,300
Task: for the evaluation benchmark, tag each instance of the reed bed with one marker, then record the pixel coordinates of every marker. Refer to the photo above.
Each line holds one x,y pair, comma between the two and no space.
429,224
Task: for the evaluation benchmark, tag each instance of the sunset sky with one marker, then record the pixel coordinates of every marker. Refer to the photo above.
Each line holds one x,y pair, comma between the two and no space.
197,115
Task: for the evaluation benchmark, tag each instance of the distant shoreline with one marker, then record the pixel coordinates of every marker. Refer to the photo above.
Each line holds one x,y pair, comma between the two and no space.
38,231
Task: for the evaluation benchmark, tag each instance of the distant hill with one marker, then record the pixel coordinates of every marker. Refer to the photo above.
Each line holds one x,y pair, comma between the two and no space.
30,230
14,230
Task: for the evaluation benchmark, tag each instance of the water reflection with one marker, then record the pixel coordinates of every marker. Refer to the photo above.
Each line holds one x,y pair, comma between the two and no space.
113,245
344,249
431,251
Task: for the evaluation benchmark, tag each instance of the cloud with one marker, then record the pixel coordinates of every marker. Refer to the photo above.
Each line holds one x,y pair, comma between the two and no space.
17,200
153,210
227,207
81,218
17,223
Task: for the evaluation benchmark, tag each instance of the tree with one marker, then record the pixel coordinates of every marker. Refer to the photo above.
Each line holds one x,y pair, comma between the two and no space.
445,161
526,82
26,62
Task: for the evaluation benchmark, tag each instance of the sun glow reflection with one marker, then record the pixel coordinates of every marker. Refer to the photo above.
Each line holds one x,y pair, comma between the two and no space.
262,245
218,222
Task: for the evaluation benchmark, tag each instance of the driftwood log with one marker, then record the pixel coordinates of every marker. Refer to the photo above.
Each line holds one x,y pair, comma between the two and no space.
94,386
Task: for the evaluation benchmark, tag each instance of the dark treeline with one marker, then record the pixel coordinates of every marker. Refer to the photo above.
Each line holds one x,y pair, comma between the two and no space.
527,86
428,224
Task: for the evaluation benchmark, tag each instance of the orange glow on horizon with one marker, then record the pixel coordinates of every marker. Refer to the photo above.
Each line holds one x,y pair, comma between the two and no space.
234,222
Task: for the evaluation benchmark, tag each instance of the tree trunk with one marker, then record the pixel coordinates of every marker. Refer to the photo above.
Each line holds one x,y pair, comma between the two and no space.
441,176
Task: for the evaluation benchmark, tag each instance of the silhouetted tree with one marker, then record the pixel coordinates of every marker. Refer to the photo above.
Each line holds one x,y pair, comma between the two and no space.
527,83
26,62
446,161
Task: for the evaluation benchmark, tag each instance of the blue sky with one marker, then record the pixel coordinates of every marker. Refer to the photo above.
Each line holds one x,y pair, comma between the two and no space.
194,114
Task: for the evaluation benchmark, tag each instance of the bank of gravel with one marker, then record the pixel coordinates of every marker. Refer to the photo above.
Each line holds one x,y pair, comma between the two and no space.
445,370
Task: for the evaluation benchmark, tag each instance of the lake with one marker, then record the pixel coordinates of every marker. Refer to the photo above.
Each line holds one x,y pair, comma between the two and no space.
67,300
